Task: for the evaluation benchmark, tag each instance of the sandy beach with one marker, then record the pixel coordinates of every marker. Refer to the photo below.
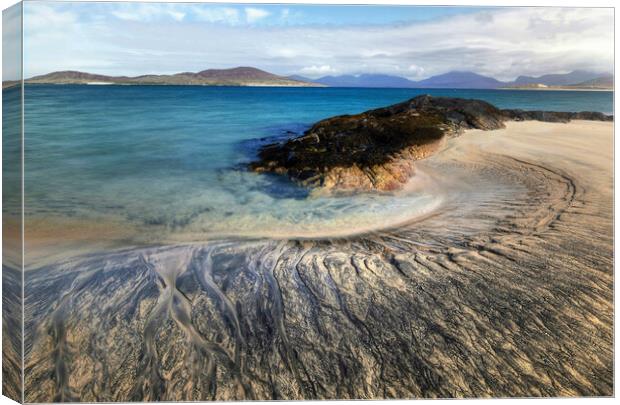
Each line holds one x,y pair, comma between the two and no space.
506,289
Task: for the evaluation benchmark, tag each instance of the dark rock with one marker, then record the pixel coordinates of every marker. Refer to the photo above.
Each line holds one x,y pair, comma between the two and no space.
554,116
375,150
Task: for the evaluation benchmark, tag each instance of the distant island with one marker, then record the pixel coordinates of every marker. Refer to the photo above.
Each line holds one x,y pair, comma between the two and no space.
239,76
253,77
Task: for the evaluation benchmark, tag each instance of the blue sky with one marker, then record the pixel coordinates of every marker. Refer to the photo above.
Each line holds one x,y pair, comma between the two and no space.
262,14
415,42
363,15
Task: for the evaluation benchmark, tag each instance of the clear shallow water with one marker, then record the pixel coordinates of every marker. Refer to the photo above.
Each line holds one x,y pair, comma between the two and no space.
171,157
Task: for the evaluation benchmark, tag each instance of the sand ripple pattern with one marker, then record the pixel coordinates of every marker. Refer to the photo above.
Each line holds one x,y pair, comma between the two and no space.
504,296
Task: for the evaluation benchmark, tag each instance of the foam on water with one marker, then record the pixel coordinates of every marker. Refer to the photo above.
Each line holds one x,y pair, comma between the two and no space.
258,214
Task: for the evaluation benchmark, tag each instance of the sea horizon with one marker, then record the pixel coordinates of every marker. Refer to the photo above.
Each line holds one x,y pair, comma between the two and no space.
610,90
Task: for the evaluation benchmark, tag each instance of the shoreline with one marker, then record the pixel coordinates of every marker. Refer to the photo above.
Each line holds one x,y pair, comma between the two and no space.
376,150
317,86
90,236
556,89
505,291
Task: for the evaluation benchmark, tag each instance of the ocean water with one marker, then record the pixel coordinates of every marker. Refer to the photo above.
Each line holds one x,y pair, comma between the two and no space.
171,159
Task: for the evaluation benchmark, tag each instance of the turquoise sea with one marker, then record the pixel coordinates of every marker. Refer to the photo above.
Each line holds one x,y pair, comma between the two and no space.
171,158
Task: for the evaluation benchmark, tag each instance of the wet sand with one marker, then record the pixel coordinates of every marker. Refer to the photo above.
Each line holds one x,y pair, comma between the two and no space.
506,289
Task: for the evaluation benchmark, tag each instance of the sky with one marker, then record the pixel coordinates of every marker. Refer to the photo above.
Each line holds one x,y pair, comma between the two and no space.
11,43
314,41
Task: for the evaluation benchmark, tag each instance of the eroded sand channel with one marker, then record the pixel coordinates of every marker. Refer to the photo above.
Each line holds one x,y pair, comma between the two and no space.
506,290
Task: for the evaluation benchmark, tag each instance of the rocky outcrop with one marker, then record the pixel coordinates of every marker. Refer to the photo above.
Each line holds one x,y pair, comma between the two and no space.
376,150
553,116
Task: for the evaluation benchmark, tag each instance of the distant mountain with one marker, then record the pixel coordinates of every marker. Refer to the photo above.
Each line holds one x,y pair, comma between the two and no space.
240,76
249,76
471,80
300,78
460,80
70,76
366,80
454,80
568,81
558,79
11,83
602,82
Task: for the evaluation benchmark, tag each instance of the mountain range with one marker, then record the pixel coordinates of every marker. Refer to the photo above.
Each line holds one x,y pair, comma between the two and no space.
249,76
471,80
574,77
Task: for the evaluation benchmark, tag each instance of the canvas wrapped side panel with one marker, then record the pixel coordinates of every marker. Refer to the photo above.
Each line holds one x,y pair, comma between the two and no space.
12,209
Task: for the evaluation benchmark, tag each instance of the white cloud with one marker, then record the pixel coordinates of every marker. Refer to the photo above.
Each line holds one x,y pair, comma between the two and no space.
219,14
291,16
178,16
314,69
503,43
48,20
416,70
253,14
148,12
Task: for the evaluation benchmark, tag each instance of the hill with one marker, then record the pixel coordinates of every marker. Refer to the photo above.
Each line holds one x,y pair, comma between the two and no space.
454,80
460,80
603,82
240,76
557,79
366,80
568,81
